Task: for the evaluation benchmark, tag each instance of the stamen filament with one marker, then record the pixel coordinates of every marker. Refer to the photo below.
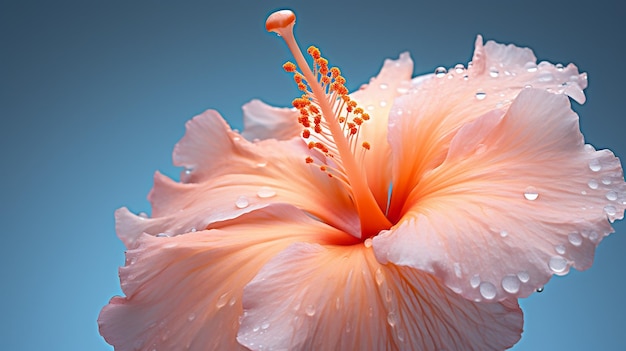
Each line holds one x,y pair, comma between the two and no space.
372,218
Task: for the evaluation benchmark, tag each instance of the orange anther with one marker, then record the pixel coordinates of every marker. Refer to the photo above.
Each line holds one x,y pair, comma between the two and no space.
314,52
317,128
323,168
308,159
306,134
366,145
335,72
365,117
314,109
358,121
289,67
311,144
302,86
340,80
358,110
353,131
341,119
299,78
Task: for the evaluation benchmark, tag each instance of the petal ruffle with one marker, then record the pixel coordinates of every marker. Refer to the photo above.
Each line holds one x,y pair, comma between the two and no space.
423,122
262,121
314,297
225,176
184,292
518,198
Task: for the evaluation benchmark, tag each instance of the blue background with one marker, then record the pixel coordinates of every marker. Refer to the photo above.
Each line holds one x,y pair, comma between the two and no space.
94,95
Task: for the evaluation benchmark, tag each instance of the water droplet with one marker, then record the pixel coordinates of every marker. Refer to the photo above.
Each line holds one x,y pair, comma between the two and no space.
401,334
510,284
610,210
368,242
261,164
559,67
265,325
611,195
337,303
440,72
493,72
191,317
383,86
593,184
594,165
593,236
232,301
459,68
475,281
185,177
557,264
242,202
309,310
388,295
480,95
544,76
162,235
402,90
236,138
539,289
531,66
379,276
531,193
575,239
523,276
488,290
457,270
504,233
266,192
142,215
348,327
606,181
560,249
392,319
222,300
370,107
383,103
465,77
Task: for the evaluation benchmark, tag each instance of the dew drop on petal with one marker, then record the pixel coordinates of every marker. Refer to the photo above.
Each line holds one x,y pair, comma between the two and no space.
510,284
368,242
523,276
440,72
401,335
606,181
457,270
559,67
266,192
480,95
185,177
610,210
531,66
493,72
557,264
611,195
392,319
383,86
379,276
222,300
575,239
459,68
261,164
504,233
560,249
487,290
539,289
475,281
531,193
162,235
265,325
242,202
309,310
191,317
593,184
383,103
594,165
593,236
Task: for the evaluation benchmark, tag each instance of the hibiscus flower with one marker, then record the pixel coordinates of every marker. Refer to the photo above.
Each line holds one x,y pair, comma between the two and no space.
408,215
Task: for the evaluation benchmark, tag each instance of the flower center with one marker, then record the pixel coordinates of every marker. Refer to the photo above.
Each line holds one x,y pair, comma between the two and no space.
331,121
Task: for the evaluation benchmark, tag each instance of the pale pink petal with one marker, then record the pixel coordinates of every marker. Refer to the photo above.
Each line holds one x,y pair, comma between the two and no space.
518,198
262,121
314,297
227,176
376,99
423,122
185,292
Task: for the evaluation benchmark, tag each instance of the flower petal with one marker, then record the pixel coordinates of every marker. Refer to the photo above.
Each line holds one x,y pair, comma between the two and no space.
226,175
314,297
185,291
262,121
376,98
423,122
518,198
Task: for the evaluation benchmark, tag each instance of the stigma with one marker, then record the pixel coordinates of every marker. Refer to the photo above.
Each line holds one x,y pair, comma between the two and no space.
331,122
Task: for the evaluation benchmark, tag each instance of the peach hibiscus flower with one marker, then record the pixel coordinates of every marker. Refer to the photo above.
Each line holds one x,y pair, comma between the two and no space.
408,215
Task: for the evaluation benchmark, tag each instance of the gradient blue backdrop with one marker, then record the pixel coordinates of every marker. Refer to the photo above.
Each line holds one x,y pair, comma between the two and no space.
94,95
